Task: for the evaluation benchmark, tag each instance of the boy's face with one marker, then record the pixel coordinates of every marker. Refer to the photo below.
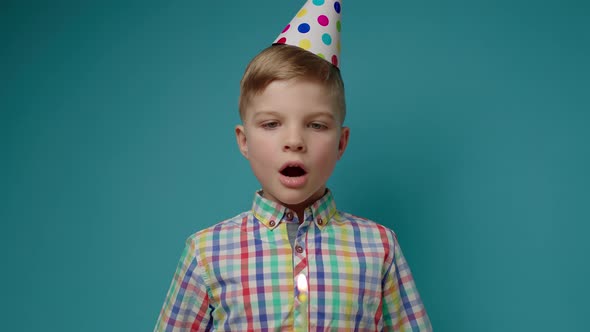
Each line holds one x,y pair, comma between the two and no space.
292,136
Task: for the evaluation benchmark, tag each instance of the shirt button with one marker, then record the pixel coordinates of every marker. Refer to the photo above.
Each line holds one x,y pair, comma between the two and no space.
289,216
320,221
299,249
272,223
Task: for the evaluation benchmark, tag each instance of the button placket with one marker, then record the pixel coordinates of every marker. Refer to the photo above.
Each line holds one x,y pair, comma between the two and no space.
299,250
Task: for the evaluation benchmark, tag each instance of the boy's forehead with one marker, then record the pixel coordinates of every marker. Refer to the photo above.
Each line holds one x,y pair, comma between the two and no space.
293,93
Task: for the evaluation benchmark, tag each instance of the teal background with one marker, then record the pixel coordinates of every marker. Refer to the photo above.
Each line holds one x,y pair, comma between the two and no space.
469,136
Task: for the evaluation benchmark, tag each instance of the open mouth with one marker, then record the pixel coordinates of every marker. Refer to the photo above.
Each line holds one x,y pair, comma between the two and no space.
293,171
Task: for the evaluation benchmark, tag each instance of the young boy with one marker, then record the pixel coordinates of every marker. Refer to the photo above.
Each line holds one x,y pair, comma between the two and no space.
294,262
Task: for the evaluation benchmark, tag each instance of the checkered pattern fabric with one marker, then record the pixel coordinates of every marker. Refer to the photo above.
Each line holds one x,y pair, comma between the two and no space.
241,275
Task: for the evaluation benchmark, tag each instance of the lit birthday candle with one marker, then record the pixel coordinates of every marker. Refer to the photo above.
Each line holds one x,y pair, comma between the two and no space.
302,283
302,290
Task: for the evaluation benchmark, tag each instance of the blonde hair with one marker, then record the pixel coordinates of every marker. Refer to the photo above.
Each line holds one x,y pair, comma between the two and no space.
285,62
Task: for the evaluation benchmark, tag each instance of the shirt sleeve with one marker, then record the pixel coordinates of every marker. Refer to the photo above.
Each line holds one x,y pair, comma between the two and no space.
187,306
403,309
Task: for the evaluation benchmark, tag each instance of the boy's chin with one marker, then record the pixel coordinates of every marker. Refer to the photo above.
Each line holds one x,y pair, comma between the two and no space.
296,197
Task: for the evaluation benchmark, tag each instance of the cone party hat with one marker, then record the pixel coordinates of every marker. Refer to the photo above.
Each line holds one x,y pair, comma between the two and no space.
316,28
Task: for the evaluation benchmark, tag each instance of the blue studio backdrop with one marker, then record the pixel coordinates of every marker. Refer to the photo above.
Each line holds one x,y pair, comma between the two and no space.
469,137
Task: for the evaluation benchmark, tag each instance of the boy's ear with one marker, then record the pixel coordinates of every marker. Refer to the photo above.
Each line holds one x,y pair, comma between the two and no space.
344,135
241,139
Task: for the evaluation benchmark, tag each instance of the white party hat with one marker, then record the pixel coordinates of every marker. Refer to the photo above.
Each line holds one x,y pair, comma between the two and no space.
316,28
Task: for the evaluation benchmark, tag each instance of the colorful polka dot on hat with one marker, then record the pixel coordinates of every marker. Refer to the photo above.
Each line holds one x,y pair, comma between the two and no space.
316,28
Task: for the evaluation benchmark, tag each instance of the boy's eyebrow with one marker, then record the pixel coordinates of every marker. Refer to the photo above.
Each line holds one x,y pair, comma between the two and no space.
261,113
310,115
322,113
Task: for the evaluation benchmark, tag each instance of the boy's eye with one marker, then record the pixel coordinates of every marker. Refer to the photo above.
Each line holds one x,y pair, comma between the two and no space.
270,125
315,125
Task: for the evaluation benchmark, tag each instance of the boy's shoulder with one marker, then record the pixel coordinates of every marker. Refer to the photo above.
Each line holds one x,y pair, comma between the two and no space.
227,227
345,216
364,224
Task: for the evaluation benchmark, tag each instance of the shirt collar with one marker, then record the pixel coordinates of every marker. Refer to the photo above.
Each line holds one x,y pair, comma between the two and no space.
271,214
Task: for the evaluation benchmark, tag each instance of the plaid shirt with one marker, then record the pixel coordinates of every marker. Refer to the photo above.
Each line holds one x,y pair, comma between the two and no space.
343,273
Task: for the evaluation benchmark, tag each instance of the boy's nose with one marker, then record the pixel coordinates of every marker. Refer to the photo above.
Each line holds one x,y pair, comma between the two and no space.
294,142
